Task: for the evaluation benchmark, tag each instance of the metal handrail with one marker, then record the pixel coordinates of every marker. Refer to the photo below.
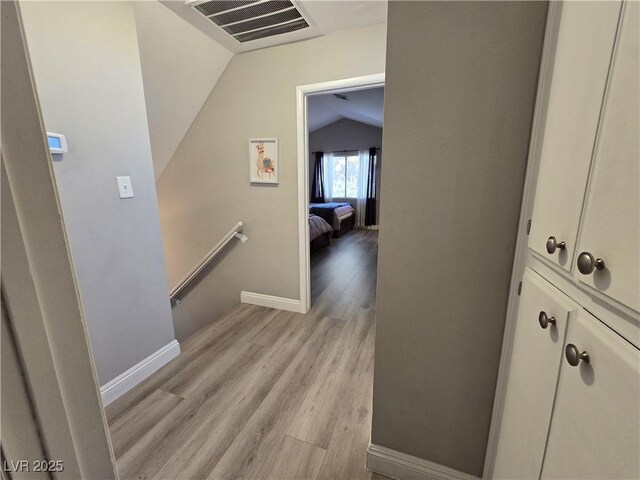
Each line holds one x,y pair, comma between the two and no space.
233,233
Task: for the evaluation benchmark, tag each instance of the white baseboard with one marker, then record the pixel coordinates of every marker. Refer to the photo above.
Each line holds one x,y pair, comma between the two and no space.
136,374
280,303
401,466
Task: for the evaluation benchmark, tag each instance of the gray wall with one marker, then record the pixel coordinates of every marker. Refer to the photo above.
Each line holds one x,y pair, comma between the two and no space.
459,97
87,70
205,188
342,135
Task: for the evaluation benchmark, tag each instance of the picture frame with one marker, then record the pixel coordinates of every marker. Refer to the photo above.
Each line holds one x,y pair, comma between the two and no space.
264,166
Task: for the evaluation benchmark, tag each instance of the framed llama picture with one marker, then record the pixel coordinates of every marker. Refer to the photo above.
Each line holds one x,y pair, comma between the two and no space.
263,160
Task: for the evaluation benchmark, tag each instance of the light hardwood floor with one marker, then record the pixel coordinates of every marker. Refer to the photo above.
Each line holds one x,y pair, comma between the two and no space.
264,393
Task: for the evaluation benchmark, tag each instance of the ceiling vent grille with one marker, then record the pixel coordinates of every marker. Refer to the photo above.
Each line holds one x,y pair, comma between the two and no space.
211,8
252,20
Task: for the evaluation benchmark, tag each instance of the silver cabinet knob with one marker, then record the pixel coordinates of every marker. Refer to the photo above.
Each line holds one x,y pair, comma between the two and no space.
553,244
587,263
574,355
545,320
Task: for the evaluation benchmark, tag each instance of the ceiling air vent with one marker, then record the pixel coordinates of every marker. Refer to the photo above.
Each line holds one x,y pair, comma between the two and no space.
254,19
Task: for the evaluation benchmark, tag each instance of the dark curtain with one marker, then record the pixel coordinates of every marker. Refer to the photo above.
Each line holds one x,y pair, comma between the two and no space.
317,187
370,203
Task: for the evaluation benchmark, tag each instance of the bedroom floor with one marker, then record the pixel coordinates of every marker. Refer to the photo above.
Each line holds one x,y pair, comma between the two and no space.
345,272
264,393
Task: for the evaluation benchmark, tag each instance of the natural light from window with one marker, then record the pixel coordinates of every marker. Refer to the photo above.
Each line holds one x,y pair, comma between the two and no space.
345,176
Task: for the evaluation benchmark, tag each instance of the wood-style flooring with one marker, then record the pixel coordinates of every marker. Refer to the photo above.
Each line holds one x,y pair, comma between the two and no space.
264,393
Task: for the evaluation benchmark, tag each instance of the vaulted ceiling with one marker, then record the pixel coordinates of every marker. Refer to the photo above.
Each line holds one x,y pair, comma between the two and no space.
364,106
180,67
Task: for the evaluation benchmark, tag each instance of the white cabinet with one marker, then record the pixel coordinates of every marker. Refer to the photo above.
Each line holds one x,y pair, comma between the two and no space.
585,42
571,405
537,353
595,430
587,200
611,223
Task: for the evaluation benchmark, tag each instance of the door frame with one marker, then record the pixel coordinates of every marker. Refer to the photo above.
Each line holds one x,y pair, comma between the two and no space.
302,93
39,289
521,254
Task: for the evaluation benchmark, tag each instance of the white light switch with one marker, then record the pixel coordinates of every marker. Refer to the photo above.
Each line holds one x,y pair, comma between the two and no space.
124,187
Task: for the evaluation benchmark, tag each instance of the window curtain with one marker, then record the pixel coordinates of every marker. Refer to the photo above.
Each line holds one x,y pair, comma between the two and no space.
366,200
327,164
370,202
361,199
317,187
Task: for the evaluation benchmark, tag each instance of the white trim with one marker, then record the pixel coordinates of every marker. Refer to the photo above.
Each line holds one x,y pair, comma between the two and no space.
126,381
401,466
302,92
526,210
270,301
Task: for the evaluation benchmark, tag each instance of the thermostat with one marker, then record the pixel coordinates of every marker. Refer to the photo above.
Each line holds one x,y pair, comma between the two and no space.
57,142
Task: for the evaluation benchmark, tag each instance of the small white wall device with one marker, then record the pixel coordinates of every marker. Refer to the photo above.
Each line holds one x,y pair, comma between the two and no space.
57,142
125,189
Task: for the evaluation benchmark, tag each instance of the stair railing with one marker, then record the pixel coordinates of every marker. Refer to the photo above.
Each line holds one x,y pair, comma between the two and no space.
235,232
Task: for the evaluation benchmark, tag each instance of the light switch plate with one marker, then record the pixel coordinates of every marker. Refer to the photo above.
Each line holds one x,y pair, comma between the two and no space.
124,187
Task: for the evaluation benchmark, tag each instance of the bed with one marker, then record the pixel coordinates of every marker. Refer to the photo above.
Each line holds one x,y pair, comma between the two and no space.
341,216
320,232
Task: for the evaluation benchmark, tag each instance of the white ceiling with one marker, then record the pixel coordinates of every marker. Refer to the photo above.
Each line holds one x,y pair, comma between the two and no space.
324,16
364,106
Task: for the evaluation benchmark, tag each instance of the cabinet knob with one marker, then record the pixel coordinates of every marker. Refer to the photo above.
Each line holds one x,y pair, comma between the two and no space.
545,320
587,263
553,244
574,355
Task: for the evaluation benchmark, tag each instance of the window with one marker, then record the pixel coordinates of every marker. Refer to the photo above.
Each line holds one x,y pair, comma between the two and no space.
345,176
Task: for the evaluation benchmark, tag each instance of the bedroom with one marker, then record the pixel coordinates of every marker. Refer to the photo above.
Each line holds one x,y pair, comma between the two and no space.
345,158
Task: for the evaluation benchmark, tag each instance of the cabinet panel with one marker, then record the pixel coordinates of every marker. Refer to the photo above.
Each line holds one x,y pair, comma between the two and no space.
611,222
533,373
585,43
595,430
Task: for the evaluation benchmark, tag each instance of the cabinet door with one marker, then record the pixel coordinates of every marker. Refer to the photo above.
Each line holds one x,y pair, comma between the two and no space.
583,53
533,373
611,222
595,429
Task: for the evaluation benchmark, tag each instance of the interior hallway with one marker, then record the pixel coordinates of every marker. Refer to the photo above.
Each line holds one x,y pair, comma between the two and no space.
264,393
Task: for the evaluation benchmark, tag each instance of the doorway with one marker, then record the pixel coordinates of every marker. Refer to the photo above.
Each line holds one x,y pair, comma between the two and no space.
305,94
